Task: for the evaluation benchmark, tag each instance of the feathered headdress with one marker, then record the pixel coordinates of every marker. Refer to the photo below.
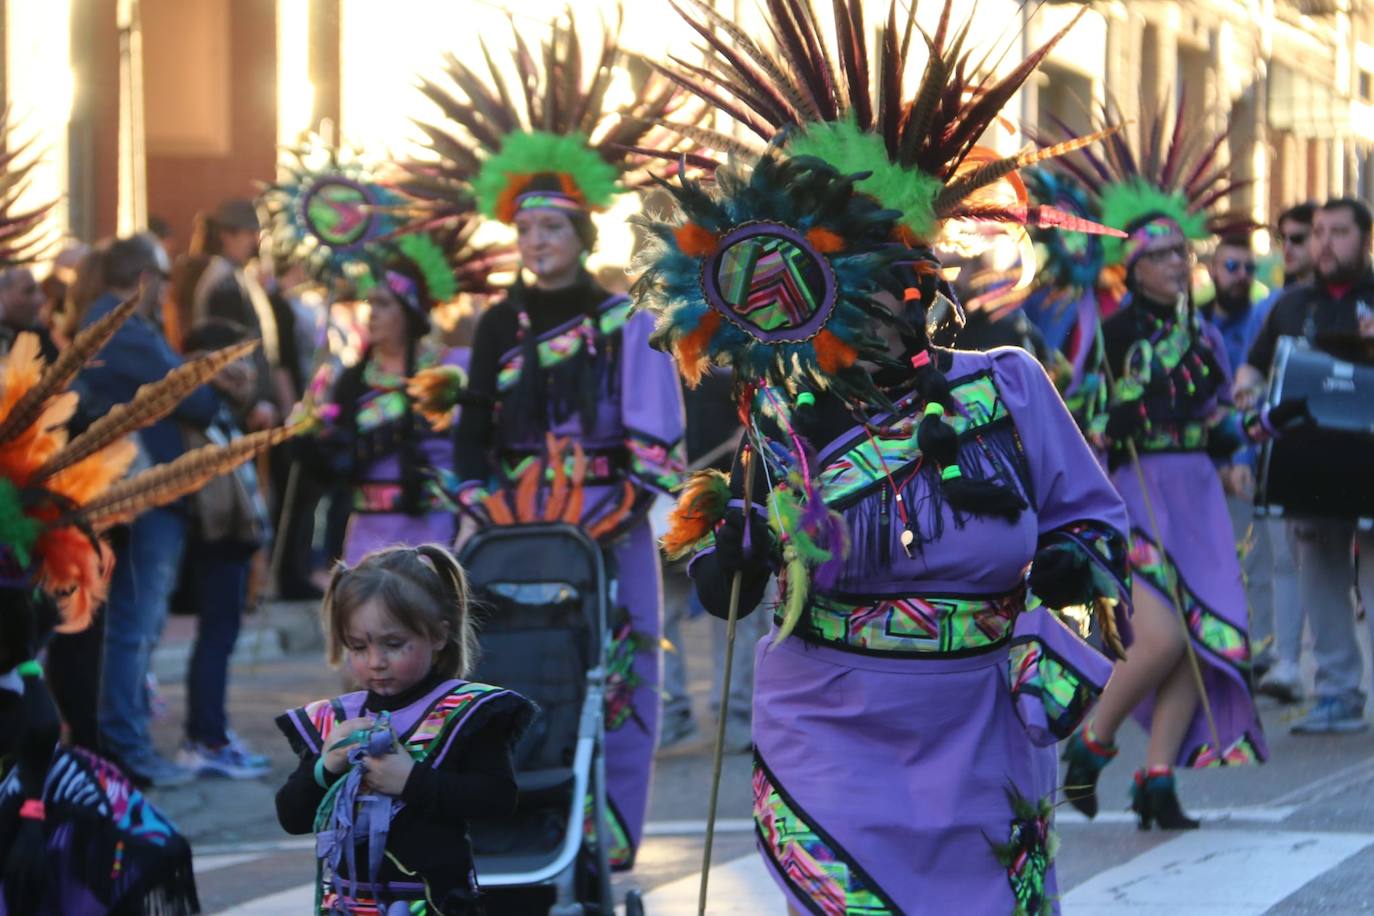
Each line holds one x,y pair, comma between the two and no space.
553,143
1171,174
23,235
328,210
920,157
772,272
57,495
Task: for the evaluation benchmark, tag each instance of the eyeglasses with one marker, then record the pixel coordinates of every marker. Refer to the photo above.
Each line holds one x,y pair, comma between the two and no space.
1235,265
1160,255
1295,238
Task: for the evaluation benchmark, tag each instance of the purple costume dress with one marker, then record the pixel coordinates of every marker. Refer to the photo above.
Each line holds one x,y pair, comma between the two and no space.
375,426
1175,371
633,434
904,732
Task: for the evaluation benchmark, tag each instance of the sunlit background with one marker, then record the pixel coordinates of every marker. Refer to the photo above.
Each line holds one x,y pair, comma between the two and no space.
141,108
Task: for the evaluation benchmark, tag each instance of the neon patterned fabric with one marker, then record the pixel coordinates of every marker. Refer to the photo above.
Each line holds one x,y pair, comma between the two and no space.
1219,637
1028,854
813,865
1242,752
621,679
566,344
910,625
770,282
858,468
621,852
656,465
108,847
1041,678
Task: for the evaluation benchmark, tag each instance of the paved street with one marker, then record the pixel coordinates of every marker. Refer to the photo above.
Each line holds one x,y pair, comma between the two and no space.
1295,836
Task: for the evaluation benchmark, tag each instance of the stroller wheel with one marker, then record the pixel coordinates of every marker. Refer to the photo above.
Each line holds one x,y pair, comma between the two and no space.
634,904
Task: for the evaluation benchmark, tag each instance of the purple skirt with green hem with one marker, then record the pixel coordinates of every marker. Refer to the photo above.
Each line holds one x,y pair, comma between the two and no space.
1198,563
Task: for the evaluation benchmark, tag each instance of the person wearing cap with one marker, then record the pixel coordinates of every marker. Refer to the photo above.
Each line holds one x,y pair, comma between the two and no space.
214,282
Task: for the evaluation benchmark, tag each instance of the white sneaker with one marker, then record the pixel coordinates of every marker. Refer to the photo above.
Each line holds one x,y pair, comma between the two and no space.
230,761
1283,683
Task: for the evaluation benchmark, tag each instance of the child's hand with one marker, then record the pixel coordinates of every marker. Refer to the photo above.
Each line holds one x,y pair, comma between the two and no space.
388,774
336,756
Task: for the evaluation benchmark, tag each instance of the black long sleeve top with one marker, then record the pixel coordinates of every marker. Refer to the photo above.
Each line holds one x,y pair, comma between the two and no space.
429,835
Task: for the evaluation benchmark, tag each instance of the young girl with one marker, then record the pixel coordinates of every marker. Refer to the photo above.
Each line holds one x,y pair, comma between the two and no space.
413,755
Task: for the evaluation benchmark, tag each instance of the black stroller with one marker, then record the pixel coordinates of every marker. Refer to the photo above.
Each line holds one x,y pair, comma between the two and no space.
541,598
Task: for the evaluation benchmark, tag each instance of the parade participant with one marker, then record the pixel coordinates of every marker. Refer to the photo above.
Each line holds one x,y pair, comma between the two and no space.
1166,390
899,493
561,367
390,451
390,774
76,836
1340,300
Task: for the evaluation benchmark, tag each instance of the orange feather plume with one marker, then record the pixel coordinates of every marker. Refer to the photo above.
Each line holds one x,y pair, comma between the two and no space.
690,349
76,570
700,506
696,241
833,354
825,241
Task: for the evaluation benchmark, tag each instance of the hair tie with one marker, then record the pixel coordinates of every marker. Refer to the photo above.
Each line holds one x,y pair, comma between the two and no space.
910,293
32,809
950,472
935,409
30,668
806,399
921,360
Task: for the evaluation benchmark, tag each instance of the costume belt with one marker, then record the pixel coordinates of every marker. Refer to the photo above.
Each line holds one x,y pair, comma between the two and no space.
384,497
911,625
604,465
1187,436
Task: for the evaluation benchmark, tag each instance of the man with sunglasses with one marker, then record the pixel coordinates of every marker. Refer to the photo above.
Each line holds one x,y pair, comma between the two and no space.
1339,300
1270,575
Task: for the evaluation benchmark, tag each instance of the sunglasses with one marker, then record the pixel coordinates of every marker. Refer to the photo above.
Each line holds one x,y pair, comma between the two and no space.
1235,265
1160,255
1295,238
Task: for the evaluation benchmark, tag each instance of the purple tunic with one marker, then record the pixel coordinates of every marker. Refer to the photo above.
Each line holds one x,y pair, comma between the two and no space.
371,526
636,437
904,733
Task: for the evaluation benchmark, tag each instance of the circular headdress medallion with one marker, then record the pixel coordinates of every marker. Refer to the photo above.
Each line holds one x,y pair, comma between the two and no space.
771,282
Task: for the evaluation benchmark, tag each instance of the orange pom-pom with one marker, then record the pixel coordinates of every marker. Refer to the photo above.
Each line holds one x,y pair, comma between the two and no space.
825,241
690,349
696,241
833,354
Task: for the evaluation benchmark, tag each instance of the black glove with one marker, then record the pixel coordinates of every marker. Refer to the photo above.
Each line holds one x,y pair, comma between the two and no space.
1289,414
1060,576
1124,420
730,548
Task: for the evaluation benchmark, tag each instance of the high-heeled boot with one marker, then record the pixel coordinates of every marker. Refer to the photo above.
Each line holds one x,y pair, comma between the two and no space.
1154,799
1086,757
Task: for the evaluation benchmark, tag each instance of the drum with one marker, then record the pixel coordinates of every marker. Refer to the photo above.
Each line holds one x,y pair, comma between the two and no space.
1325,470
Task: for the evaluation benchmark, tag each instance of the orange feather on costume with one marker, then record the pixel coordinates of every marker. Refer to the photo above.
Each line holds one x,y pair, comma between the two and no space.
690,349
696,241
505,204
699,507
833,354
93,474
75,569
825,241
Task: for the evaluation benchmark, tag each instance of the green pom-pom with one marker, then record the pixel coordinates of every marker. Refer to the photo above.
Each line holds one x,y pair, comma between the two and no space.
538,153
843,145
18,532
1126,202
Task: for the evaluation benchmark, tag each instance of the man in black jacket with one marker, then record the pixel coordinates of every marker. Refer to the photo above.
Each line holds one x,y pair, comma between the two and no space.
1340,300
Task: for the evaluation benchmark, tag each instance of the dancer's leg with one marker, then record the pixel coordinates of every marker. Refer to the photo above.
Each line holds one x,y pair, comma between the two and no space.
1151,657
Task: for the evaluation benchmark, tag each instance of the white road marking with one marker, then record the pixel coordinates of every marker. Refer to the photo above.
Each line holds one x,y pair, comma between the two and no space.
208,863
299,899
698,828
739,886
1218,872
1265,814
